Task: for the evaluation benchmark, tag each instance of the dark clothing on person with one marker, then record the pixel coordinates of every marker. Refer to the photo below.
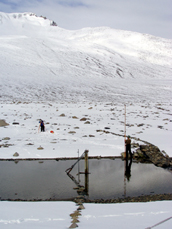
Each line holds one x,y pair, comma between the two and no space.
42,126
128,147
128,150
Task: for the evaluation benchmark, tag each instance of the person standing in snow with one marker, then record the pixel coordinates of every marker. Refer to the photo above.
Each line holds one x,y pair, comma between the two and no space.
128,146
41,125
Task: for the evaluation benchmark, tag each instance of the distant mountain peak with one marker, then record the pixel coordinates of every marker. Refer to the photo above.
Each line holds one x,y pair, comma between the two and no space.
25,18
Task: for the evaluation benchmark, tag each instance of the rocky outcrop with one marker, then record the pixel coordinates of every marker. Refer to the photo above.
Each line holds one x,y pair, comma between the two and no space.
147,152
153,154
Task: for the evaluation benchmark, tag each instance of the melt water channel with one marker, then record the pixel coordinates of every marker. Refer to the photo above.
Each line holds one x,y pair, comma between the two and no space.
107,179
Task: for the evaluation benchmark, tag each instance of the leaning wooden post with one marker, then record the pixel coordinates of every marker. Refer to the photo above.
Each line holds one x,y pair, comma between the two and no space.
86,162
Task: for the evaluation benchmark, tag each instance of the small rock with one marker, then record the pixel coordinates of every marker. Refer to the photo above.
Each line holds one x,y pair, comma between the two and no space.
76,213
81,207
15,123
40,148
6,139
75,220
87,122
16,154
3,123
74,225
140,125
74,117
160,127
99,130
72,132
62,115
83,119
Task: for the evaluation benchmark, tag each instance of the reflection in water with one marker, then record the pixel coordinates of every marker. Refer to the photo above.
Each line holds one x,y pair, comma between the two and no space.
32,180
127,173
81,190
128,168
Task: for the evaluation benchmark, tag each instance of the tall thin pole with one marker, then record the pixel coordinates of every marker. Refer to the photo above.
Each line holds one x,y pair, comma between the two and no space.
124,129
125,149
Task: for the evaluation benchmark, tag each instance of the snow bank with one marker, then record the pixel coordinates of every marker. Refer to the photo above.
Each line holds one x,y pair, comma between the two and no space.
57,214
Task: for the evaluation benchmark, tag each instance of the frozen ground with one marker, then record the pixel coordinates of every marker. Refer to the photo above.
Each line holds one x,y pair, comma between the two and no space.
57,215
149,122
63,76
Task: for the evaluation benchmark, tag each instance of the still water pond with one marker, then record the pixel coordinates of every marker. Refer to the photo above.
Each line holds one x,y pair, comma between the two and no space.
47,180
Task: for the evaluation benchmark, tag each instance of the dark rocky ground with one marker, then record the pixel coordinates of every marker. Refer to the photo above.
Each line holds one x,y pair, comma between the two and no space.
144,198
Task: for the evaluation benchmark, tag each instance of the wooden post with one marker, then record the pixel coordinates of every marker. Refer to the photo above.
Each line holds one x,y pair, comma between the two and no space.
86,183
86,161
78,168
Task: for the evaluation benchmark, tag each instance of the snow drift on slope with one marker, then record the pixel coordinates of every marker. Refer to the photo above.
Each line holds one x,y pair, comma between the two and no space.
43,62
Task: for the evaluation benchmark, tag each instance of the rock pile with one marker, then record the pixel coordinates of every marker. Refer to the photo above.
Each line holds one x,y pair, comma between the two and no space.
152,153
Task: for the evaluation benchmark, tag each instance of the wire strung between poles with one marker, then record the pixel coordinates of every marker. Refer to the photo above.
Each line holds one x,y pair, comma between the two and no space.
69,169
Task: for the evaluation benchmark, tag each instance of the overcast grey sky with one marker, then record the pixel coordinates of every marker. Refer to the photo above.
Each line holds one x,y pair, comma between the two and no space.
145,16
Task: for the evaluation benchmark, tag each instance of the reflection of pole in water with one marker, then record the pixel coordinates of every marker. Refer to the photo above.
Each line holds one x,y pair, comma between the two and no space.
124,183
78,168
87,184
124,149
85,190
128,168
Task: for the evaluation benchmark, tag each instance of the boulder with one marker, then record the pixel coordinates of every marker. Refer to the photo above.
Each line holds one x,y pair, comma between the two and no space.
155,155
3,123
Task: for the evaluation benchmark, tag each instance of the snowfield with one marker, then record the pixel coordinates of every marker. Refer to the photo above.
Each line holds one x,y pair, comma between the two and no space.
149,122
78,82
57,215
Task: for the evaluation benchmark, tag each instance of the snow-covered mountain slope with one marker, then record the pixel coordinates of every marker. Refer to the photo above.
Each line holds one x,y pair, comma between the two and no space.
43,62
